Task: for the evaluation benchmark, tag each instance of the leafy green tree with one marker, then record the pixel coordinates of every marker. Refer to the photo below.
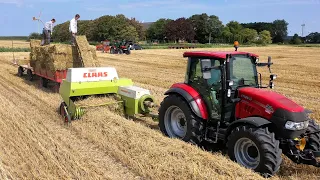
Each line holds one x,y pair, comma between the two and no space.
61,32
313,37
206,27
214,28
235,28
34,35
279,30
129,33
156,31
249,35
227,35
296,39
138,27
264,37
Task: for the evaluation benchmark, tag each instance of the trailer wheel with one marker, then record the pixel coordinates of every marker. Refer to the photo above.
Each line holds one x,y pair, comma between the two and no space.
56,87
313,141
30,75
43,82
177,120
20,71
256,149
63,113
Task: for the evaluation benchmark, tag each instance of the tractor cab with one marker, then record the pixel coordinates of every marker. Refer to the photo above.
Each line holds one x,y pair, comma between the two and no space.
217,76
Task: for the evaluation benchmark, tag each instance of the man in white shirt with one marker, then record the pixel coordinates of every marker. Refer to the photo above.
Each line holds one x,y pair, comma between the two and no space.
73,28
47,32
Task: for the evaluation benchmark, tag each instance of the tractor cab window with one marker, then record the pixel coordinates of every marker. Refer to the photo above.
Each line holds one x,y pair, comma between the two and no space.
243,71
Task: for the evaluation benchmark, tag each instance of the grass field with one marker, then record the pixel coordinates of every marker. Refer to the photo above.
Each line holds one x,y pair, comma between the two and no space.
35,144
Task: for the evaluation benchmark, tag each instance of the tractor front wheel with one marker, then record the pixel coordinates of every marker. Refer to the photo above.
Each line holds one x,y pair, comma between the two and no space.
313,142
256,149
176,120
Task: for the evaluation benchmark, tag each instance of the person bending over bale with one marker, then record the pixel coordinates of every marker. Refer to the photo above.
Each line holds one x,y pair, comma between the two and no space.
47,32
73,28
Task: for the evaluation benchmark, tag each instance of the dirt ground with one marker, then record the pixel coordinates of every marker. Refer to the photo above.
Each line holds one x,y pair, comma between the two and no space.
36,144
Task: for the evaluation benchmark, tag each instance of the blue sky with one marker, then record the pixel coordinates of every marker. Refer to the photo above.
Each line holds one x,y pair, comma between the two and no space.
16,15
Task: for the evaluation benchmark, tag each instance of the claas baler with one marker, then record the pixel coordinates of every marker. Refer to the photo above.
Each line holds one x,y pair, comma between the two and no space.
84,82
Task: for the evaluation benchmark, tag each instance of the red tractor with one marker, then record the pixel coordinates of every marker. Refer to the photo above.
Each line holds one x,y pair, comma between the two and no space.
222,101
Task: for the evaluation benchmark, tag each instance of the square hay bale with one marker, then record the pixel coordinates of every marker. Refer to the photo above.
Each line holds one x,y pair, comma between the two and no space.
63,56
34,43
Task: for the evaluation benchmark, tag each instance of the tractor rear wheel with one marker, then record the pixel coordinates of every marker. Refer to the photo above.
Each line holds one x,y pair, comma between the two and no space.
256,149
313,141
176,120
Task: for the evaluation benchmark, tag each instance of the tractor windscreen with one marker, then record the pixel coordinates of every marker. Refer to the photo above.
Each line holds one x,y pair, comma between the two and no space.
243,71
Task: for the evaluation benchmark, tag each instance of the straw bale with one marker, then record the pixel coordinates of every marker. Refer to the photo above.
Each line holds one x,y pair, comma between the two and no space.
63,56
23,61
34,43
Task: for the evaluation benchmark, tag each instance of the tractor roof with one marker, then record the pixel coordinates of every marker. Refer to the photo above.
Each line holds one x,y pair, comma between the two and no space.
214,54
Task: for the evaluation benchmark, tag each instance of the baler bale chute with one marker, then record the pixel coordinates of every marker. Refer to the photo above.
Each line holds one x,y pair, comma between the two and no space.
96,81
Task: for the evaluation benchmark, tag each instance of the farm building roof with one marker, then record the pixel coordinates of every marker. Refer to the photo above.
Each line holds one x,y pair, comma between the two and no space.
214,54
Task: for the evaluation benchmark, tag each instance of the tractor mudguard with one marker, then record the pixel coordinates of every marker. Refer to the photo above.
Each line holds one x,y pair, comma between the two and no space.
196,103
255,121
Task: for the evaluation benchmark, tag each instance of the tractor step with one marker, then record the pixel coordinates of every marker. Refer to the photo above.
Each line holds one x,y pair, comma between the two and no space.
316,153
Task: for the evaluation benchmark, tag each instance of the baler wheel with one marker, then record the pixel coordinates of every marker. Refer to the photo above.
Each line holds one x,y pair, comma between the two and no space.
63,113
256,149
20,71
313,141
177,120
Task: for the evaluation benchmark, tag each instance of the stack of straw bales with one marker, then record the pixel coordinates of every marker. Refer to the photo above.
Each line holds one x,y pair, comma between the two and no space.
62,56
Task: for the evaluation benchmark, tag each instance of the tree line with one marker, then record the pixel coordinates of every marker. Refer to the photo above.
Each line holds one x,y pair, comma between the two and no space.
201,28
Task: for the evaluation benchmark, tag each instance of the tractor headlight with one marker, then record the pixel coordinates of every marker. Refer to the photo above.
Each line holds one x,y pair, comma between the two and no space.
257,60
296,125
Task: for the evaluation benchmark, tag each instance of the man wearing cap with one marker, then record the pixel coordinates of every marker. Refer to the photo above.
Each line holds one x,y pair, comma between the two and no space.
47,32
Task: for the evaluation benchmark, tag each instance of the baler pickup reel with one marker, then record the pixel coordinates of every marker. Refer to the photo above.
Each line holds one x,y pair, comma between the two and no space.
101,81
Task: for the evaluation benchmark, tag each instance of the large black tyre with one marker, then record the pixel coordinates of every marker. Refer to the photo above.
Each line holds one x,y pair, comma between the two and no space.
43,82
256,149
30,75
128,51
112,51
313,142
176,120
20,71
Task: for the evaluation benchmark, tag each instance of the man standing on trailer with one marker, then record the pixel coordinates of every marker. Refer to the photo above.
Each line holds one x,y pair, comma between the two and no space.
73,28
47,32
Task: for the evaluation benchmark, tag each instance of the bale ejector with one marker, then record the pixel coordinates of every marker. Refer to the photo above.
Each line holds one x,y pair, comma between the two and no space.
221,101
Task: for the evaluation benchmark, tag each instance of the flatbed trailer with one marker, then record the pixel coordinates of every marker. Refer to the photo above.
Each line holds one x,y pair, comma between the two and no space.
46,76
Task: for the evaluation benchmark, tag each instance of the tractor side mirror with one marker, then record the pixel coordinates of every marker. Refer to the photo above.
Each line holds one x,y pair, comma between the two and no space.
205,66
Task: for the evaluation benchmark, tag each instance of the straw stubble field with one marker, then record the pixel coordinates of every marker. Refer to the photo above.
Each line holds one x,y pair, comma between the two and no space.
34,142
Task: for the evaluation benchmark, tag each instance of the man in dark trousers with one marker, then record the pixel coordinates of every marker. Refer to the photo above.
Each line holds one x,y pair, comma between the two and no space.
47,32
73,28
